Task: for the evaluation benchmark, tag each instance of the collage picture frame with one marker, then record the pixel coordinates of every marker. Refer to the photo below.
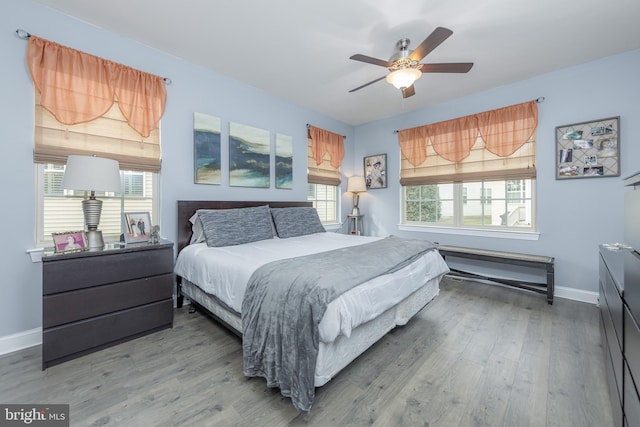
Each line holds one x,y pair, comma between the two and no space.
588,149
375,171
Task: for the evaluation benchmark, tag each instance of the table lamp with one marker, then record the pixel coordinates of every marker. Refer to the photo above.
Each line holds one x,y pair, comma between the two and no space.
91,173
356,185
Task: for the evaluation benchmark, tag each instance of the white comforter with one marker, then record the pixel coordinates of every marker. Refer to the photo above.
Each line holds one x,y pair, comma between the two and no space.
225,271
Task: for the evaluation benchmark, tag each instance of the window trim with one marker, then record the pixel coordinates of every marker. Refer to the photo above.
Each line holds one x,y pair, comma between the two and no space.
488,231
467,231
334,224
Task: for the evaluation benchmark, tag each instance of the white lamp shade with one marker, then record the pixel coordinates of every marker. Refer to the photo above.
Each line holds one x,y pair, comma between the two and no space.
404,77
90,173
356,184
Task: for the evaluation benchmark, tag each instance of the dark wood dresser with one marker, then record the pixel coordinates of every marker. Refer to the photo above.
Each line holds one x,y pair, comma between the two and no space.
631,397
620,313
97,299
611,302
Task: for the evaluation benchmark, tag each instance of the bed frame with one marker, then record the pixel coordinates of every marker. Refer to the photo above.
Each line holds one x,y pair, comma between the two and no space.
186,209
333,357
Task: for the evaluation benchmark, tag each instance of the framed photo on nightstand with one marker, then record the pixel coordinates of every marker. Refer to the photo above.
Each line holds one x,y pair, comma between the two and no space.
136,226
69,241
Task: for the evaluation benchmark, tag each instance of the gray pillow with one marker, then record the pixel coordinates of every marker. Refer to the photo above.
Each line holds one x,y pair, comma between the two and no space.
229,227
293,222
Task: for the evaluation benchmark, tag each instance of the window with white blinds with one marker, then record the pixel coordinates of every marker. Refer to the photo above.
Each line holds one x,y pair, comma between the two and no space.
60,210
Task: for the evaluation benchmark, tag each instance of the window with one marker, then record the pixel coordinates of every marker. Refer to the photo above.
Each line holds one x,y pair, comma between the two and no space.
323,176
489,204
325,200
85,105
473,172
61,210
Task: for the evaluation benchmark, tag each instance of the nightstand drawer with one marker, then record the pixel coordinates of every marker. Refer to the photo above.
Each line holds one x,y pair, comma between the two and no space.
72,340
67,274
81,304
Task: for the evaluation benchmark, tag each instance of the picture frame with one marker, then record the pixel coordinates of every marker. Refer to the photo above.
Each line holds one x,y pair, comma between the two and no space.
588,149
249,156
70,241
206,149
137,227
375,171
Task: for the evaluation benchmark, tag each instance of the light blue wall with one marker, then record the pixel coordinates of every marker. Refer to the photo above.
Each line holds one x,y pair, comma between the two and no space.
193,89
574,216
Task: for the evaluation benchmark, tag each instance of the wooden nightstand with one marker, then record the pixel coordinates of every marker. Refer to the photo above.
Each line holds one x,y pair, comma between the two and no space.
97,299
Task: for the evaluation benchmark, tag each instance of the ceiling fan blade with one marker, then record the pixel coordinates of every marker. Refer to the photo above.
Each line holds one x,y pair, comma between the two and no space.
370,60
367,84
408,91
449,67
434,40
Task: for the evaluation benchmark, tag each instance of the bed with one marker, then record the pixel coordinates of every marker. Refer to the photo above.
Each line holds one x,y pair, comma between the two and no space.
224,280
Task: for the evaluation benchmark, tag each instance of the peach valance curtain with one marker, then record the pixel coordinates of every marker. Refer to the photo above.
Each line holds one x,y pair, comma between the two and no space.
503,130
413,144
453,139
76,87
325,153
497,144
325,142
506,129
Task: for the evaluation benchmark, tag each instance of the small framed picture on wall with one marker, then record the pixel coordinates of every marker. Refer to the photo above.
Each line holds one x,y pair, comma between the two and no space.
375,171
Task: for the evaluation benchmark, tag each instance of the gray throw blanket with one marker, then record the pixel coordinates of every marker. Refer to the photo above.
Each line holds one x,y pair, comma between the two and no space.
285,301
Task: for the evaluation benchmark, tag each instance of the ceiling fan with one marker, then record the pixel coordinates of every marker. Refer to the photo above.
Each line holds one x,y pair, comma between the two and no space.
405,67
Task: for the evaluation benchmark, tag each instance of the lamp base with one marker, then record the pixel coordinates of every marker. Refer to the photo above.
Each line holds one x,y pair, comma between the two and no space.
356,200
94,240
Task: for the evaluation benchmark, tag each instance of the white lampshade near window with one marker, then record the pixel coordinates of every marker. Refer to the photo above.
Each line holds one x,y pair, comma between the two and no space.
356,185
90,173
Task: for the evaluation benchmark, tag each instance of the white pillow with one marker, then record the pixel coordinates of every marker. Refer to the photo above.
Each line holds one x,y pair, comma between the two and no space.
197,231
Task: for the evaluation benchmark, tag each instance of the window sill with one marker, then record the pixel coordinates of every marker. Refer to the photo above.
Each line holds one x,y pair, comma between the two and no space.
332,226
496,234
35,254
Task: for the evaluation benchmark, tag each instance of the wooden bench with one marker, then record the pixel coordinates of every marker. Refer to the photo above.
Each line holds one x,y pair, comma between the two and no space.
535,261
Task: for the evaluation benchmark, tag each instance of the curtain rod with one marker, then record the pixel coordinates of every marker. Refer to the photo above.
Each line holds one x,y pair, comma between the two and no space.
24,35
308,126
538,100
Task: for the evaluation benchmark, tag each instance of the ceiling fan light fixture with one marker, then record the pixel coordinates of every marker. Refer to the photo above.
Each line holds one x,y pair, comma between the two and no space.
403,77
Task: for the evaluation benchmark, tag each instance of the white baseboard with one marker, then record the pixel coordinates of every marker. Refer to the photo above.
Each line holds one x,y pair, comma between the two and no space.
576,294
558,291
21,340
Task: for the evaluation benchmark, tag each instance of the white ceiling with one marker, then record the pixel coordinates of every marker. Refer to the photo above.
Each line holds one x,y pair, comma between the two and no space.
299,49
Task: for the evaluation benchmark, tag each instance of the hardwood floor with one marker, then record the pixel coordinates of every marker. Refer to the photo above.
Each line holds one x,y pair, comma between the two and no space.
478,355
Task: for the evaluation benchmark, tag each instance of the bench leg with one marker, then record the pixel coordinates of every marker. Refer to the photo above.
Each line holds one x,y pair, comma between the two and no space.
550,284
